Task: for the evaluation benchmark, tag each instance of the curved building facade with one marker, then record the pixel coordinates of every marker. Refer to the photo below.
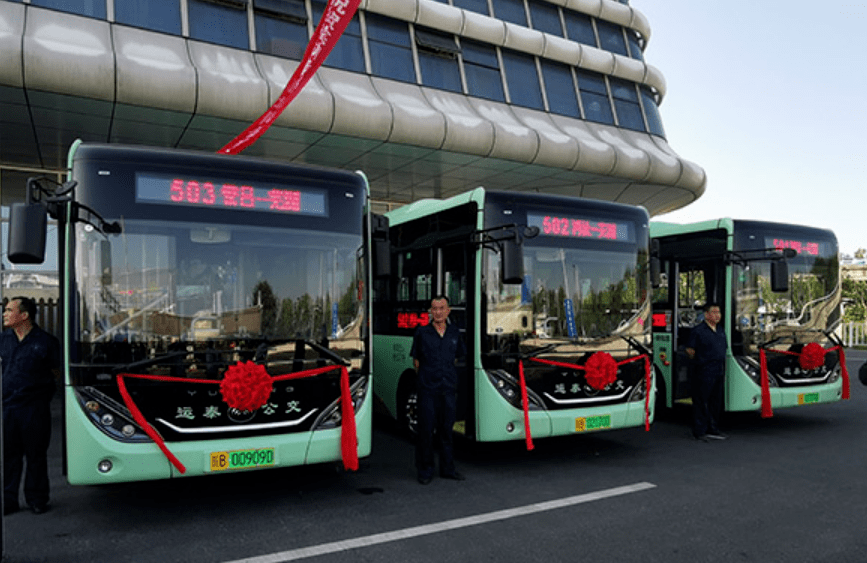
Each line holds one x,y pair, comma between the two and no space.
429,98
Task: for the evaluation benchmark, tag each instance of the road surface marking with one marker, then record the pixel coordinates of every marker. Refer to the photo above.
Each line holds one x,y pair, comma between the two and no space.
458,523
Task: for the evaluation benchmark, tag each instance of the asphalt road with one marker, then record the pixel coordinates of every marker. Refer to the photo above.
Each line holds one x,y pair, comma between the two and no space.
791,488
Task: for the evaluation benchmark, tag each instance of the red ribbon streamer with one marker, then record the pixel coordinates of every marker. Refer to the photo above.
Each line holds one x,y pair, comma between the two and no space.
337,15
348,435
647,384
767,411
525,403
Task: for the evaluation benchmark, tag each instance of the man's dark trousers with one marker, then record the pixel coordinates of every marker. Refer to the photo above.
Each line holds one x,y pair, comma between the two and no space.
431,402
26,435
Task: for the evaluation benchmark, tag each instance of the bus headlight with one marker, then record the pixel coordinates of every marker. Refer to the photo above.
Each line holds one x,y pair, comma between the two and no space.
332,416
639,392
510,389
752,368
109,415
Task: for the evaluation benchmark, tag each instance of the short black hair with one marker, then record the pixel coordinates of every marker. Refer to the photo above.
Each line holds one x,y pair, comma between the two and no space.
711,305
26,305
441,297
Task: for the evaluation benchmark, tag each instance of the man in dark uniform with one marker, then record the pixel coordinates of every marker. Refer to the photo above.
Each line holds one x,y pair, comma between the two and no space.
435,347
707,347
31,360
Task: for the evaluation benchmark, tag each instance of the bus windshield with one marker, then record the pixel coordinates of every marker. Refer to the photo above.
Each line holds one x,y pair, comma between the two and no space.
162,286
570,292
803,314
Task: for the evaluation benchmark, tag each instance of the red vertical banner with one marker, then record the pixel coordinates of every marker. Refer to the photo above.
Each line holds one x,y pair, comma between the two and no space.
337,15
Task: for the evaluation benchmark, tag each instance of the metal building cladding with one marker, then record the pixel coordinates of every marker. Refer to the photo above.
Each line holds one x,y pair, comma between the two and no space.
429,98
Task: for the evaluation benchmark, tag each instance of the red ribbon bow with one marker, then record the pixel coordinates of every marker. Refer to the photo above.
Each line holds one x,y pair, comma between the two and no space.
233,393
598,367
811,357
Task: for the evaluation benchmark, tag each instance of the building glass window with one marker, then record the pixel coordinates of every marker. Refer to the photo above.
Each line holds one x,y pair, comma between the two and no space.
651,111
626,104
478,6
511,11
482,70
611,37
579,27
438,59
156,15
546,17
390,48
281,27
224,23
634,45
90,8
523,79
594,97
348,53
560,89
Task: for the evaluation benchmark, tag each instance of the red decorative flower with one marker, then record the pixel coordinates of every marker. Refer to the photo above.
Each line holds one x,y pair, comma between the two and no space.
812,356
600,370
246,386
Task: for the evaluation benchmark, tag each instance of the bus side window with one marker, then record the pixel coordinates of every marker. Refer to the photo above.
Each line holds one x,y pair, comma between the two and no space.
414,276
692,296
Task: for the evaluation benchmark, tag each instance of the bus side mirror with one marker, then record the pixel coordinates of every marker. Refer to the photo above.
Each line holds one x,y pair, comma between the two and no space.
655,265
779,276
655,272
512,258
380,246
28,225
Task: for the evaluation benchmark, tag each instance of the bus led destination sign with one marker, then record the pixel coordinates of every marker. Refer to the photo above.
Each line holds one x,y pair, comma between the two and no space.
799,246
559,225
224,193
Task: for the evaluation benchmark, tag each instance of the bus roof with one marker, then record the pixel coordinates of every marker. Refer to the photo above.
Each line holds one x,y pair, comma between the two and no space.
662,228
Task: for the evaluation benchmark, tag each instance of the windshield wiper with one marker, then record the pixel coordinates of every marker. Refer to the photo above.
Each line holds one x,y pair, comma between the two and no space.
123,368
538,351
637,345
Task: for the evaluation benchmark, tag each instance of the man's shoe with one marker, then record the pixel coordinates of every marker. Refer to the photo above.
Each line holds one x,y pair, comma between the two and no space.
703,438
454,476
39,508
10,509
717,436
424,480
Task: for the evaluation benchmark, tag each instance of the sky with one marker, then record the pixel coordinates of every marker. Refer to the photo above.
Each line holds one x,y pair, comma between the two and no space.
770,99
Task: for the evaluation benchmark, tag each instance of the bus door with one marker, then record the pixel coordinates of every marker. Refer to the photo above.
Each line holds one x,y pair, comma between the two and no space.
678,307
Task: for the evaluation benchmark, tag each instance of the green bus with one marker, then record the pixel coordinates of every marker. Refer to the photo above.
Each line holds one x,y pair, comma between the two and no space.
214,311
778,287
552,296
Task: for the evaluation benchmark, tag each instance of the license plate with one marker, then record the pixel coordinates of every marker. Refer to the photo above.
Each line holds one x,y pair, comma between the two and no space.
808,398
585,423
242,459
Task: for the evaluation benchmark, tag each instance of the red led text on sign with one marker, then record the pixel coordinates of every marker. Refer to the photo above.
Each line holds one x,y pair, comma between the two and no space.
412,320
581,228
231,195
811,248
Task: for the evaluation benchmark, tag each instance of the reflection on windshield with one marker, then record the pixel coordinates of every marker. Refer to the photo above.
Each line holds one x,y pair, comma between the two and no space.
569,293
159,284
801,315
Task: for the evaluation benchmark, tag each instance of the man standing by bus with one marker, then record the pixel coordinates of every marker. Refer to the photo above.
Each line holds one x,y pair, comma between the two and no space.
435,348
30,361
707,347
